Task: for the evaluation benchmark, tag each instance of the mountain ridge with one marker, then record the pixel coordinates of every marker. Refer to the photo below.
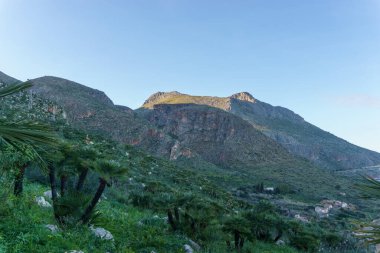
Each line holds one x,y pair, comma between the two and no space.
285,127
91,109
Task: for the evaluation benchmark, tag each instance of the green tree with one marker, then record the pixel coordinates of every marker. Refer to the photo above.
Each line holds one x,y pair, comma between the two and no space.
239,227
86,156
106,169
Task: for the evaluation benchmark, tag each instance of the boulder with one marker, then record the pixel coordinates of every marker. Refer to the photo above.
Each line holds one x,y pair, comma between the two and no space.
102,233
322,211
301,218
280,243
194,245
48,194
42,202
188,248
52,228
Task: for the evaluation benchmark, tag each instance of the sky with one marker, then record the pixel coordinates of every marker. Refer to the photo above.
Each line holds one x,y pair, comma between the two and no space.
319,58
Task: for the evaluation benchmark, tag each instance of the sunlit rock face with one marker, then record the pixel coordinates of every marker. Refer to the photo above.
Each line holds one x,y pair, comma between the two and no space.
283,126
217,136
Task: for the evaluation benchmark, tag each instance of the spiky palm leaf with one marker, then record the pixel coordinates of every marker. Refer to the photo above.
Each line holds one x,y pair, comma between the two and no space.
22,132
108,169
370,188
12,89
18,134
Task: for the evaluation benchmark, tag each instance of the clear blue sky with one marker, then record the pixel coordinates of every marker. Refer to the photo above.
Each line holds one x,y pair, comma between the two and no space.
320,58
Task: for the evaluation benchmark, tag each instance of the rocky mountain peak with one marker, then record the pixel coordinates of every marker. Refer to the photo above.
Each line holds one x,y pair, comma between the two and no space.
160,95
244,96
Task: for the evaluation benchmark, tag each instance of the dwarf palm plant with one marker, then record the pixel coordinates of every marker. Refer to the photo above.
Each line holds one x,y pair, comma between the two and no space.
86,155
106,169
30,138
238,226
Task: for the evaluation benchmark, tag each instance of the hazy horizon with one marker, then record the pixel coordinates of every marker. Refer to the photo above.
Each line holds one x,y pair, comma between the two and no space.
320,59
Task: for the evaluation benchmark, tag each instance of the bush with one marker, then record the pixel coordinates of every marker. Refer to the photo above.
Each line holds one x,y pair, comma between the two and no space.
305,242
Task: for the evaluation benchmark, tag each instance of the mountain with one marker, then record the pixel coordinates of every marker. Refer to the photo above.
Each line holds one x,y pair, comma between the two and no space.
283,126
5,79
91,110
217,136
223,146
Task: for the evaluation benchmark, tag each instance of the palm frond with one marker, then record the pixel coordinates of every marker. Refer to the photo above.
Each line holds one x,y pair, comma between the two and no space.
17,133
14,88
369,187
369,232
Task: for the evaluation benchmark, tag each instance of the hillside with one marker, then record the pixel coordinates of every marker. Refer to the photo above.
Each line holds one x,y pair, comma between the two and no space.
7,79
284,126
237,154
91,110
209,166
228,149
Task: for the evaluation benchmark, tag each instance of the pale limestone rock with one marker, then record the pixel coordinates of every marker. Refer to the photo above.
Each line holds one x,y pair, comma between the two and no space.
194,245
188,248
42,202
52,228
48,194
301,218
102,233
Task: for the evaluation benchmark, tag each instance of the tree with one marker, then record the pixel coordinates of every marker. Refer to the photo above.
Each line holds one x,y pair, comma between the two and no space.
19,134
238,226
106,169
86,156
15,162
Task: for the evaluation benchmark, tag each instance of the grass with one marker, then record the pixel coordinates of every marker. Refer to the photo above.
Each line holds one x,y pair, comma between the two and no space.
22,229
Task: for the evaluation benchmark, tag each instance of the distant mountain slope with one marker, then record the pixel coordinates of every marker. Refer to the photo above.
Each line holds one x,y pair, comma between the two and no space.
217,136
284,126
233,152
5,79
223,147
91,110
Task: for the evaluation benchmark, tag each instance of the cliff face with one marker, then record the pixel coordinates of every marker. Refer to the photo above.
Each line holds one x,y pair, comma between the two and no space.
284,127
217,136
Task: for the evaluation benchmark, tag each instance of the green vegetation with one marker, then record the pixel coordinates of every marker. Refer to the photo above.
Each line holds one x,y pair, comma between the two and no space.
148,203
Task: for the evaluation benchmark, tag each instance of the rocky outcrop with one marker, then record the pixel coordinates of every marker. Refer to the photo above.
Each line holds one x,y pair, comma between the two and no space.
215,135
325,206
284,126
244,96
